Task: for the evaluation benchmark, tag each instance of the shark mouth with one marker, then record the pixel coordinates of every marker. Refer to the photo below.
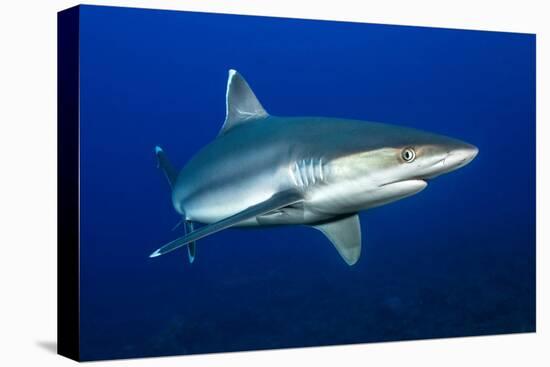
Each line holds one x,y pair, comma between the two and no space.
411,182
401,189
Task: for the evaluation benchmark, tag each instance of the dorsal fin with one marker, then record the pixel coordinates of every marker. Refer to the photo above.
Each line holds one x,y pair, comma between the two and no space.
241,103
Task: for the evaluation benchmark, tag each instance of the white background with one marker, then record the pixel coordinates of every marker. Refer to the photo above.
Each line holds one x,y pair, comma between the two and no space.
28,182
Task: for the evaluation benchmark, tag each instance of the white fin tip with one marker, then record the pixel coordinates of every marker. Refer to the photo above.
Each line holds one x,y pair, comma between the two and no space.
155,254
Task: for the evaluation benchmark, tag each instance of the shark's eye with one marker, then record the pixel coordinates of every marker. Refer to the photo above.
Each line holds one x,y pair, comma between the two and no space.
408,155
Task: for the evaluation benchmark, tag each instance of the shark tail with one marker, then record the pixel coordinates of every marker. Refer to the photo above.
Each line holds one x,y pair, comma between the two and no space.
171,175
191,246
164,164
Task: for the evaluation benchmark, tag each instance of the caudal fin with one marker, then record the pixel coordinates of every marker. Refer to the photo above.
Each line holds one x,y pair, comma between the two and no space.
191,246
163,163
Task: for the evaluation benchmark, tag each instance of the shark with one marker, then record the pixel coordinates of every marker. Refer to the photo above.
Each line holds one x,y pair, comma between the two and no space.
264,170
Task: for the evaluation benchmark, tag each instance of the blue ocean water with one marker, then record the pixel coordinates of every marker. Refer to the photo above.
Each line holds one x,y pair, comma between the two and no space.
457,259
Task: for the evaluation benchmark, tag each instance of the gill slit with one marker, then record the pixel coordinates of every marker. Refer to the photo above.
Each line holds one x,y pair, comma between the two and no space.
307,172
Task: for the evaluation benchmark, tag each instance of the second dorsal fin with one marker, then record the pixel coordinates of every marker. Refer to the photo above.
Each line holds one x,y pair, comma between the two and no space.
241,103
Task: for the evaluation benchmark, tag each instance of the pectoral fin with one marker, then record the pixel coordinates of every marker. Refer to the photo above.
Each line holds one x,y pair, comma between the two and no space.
345,235
277,201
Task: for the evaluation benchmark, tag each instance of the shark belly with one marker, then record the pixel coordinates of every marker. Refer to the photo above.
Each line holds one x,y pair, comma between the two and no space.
213,201
242,175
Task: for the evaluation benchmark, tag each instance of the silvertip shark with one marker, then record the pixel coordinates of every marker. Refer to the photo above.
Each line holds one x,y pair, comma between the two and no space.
264,170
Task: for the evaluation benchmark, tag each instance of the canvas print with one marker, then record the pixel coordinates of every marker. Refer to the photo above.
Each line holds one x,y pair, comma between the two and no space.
245,183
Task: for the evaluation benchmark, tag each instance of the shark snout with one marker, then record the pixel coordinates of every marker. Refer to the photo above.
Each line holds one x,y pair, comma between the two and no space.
460,156
452,156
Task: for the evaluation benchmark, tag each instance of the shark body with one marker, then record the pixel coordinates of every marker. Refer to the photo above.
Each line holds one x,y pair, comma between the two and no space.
264,170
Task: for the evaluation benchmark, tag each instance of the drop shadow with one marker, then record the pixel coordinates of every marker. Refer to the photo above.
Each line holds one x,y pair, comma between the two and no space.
50,346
